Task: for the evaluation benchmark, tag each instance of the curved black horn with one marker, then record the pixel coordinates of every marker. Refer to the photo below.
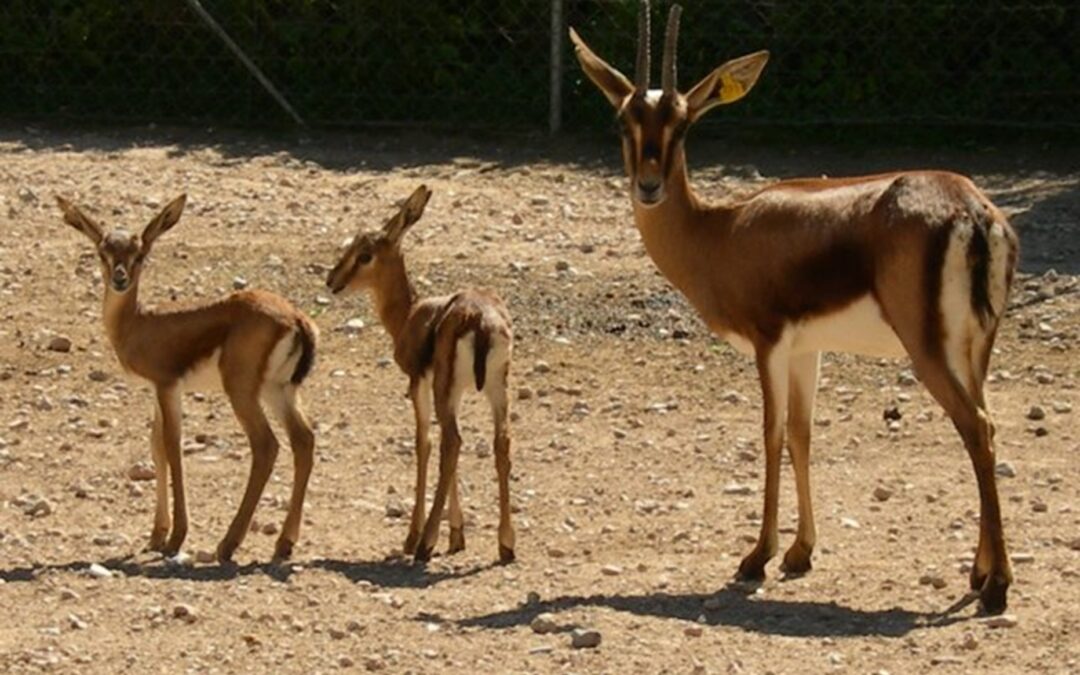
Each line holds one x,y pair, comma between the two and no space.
641,77
671,43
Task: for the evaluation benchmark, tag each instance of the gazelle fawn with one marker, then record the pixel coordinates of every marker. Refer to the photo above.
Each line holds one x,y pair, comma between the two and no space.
915,262
445,345
254,345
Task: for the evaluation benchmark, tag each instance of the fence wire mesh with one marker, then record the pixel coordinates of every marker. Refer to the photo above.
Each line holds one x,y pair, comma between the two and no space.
488,64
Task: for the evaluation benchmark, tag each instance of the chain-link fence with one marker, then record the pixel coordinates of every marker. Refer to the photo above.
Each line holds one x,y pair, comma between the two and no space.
503,63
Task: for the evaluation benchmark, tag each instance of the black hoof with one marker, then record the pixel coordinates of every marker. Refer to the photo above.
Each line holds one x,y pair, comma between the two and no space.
506,555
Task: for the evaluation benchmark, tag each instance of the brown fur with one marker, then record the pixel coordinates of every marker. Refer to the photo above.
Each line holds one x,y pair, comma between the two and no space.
808,248
426,333
163,346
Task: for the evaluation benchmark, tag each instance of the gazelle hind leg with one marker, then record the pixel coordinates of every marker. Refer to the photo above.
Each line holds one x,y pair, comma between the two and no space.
162,521
772,364
447,394
284,402
801,392
457,519
981,345
264,449
421,396
500,409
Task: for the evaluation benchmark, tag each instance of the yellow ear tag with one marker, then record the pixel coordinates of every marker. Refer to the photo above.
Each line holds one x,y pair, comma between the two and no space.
730,88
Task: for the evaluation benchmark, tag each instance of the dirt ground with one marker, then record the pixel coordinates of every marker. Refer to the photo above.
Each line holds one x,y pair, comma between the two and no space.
637,453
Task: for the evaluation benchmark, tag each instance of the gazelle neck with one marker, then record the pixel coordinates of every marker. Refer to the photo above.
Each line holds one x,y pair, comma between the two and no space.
394,297
120,310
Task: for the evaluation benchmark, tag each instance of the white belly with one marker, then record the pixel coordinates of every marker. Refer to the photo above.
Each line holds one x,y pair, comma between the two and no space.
205,375
859,328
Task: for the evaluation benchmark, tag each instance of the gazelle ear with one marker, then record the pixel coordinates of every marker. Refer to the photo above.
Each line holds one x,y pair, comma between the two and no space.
80,221
611,83
164,221
726,84
408,214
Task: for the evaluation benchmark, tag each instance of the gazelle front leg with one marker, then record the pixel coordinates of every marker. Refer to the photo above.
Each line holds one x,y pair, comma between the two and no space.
161,486
457,519
772,364
286,405
168,400
420,393
803,387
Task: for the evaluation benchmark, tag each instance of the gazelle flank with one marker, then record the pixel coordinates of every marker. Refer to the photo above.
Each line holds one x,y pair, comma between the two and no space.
253,345
445,345
911,262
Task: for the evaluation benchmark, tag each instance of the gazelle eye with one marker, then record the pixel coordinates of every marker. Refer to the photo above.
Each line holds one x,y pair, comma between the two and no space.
364,258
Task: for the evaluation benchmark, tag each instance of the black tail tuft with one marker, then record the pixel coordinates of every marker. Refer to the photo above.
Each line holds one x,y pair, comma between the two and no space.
305,335
480,353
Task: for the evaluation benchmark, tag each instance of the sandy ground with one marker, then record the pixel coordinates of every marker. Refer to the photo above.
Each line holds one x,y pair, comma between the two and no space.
637,453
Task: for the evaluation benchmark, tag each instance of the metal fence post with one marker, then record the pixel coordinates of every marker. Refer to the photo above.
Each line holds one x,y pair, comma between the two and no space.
555,84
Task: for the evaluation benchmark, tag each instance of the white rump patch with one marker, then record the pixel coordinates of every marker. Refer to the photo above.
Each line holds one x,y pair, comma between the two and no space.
281,364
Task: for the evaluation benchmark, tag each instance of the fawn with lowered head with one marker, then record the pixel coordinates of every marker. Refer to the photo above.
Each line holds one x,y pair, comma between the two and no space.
445,345
254,345
910,262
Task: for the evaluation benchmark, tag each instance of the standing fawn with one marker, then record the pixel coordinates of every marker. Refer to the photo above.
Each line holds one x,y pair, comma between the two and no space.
915,262
445,345
253,345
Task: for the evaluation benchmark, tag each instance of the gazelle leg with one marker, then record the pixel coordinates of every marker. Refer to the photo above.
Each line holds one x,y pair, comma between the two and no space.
802,389
264,449
421,396
449,448
974,428
500,408
457,519
162,521
979,358
772,366
446,407
285,402
171,418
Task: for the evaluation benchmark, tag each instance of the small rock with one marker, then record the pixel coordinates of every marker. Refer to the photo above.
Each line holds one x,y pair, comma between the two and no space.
373,663
59,343
892,414
99,571
1001,621
693,630
969,642
561,266
269,528
39,508
850,523
1022,558
345,661
541,367
611,570
239,283
582,638
1061,407
1005,469
544,623
353,326
935,580
68,594
882,493
525,393
1036,413
141,471
737,489
394,509
185,613
98,376
205,557
906,378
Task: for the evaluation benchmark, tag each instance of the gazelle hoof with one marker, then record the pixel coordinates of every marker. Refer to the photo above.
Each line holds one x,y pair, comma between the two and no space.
457,539
410,543
751,570
423,554
283,549
796,562
224,553
993,595
506,554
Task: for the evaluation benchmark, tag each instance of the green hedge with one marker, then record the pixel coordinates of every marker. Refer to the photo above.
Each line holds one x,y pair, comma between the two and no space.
485,63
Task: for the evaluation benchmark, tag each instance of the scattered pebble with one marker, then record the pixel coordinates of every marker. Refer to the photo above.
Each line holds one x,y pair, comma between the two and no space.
1036,413
59,343
1001,621
882,493
544,623
1005,469
582,638
141,471
99,571
611,570
185,612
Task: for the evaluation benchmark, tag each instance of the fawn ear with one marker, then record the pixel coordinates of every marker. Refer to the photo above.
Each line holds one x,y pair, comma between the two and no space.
726,84
80,221
408,214
163,221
